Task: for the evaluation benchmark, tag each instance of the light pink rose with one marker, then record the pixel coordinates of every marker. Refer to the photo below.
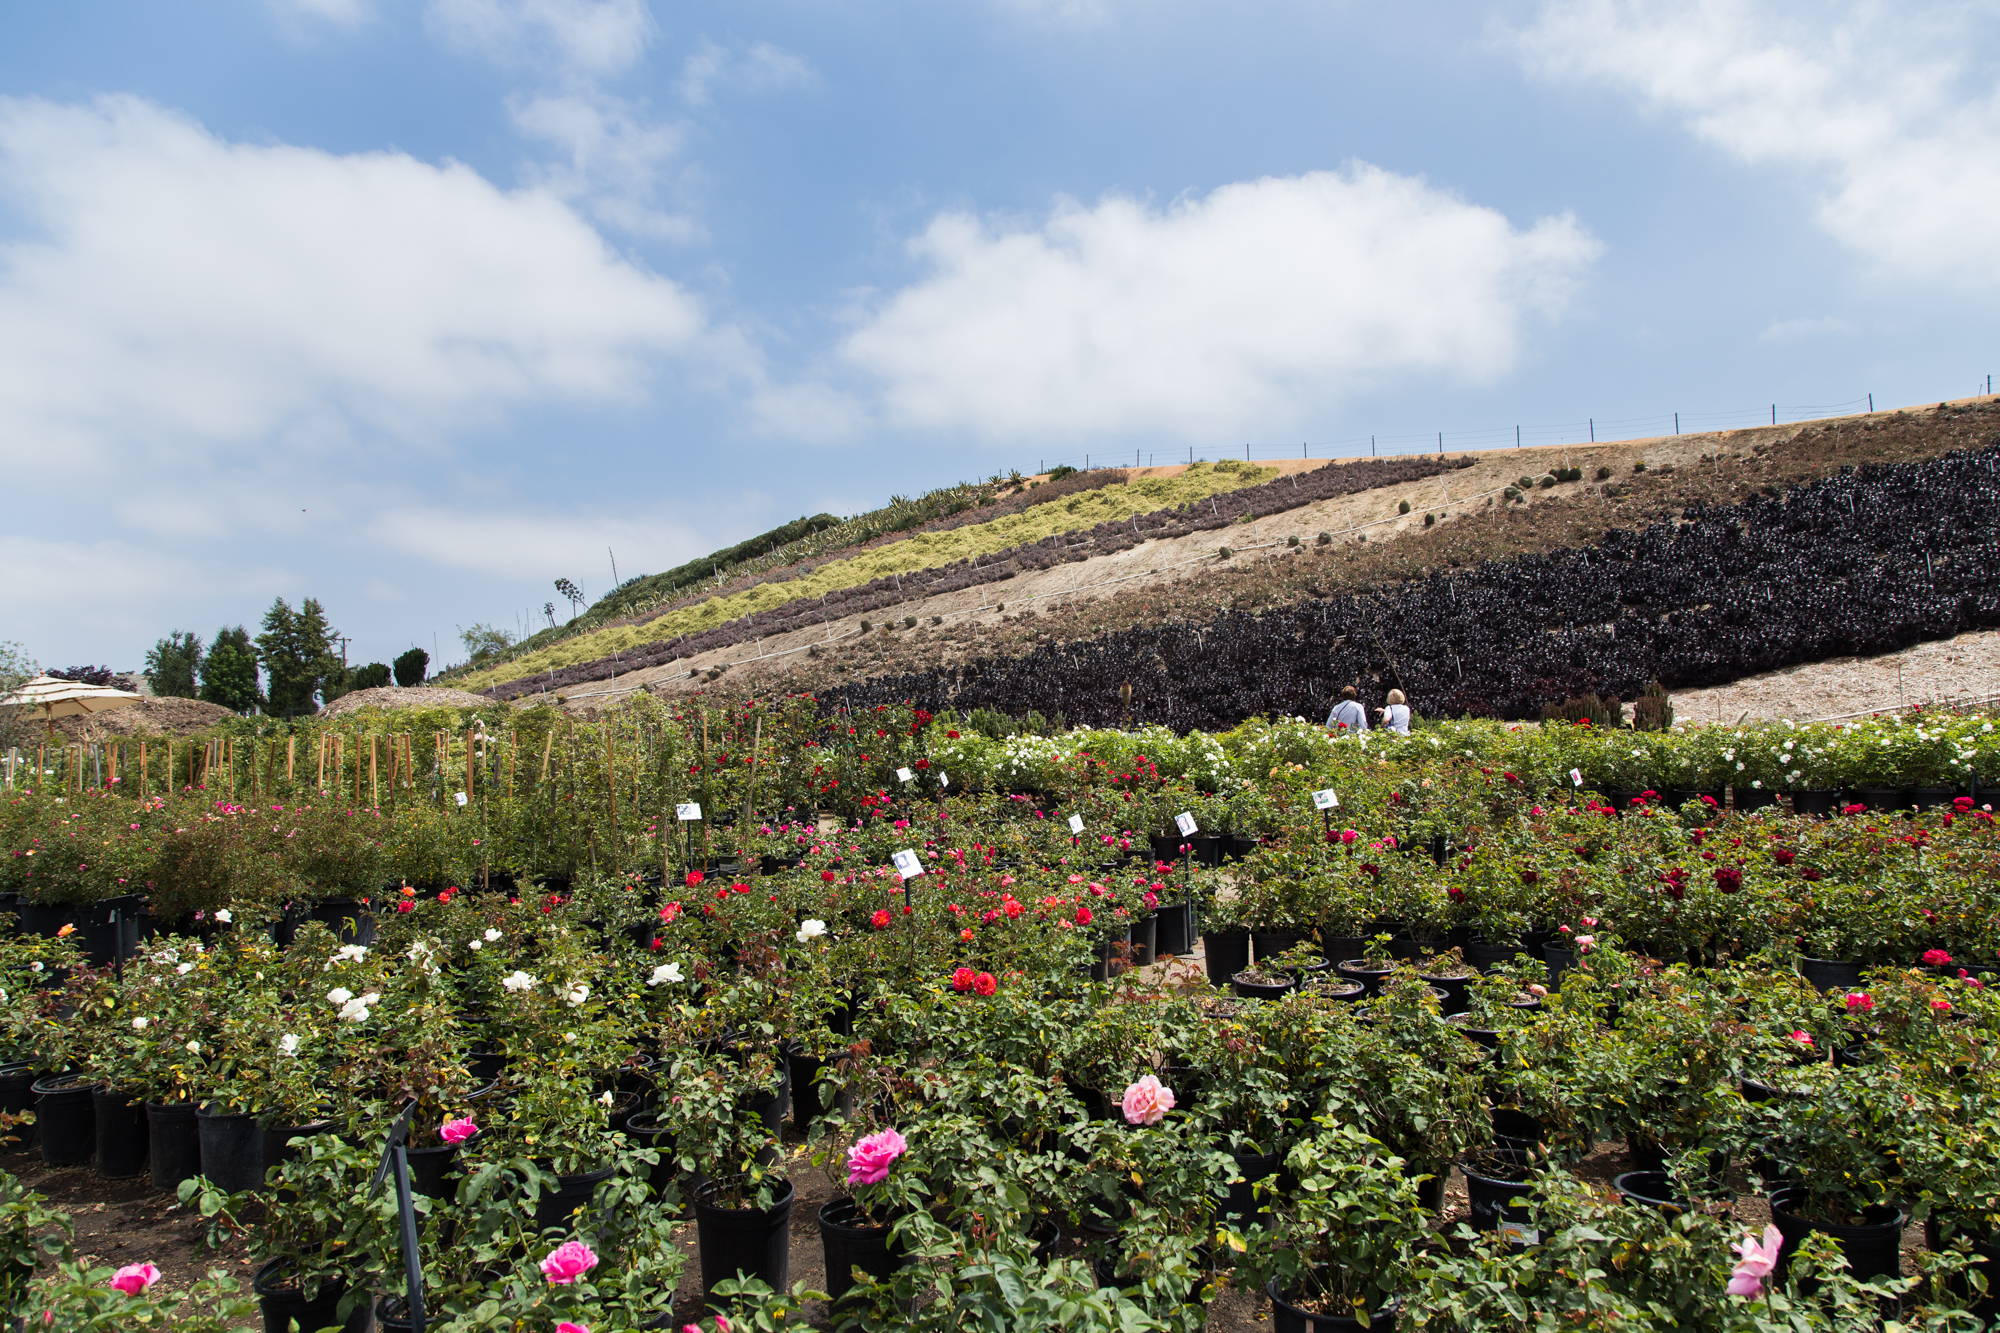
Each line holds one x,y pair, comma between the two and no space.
567,1326
457,1131
868,1161
1755,1263
1148,1101
135,1278
567,1262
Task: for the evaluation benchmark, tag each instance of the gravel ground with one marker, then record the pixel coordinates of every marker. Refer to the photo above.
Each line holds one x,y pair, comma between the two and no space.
1960,670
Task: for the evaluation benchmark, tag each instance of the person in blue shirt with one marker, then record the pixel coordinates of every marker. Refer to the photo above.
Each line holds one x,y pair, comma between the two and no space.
1348,714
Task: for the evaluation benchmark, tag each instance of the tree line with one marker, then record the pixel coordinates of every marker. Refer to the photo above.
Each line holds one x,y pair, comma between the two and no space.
295,653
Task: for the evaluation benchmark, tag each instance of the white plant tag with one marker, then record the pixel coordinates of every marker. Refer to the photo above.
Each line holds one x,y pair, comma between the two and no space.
904,775
943,779
1184,821
687,810
458,796
1325,800
1076,823
907,864
1576,777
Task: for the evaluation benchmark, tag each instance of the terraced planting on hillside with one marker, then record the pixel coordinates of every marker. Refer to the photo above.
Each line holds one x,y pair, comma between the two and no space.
1105,519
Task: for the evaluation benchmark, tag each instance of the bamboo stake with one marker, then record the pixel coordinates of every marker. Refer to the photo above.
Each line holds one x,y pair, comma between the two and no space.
321,784
231,743
142,770
510,763
468,764
611,772
750,795
357,766
548,744
291,755
706,809
374,786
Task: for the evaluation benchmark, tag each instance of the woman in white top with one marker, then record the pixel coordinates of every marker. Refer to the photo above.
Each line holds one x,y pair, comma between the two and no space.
1396,716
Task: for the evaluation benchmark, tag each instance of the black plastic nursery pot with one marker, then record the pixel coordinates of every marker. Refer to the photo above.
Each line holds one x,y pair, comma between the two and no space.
1227,952
46,919
121,1133
275,1141
17,1097
232,1149
173,1141
1486,956
753,1242
1289,1318
1873,1249
852,1243
1145,939
1819,804
646,1131
1456,990
1245,987
571,1193
348,918
434,1170
1268,944
1175,933
1492,1181
1365,971
68,1125
1253,1167
285,1307
1830,974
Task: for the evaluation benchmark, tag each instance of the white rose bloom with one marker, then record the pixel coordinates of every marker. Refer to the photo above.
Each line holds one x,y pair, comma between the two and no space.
339,995
606,1099
183,969
475,946
289,1044
141,1024
350,953
354,1011
810,930
492,935
519,981
223,915
578,994
194,1048
665,973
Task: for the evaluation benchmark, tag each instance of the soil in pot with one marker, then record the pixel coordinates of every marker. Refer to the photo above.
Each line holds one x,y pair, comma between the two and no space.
1873,1247
285,1307
1492,1180
1334,988
63,1111
1289,1318
1366,971
173,1143
121,1133
751,1241
1256,985
852,1241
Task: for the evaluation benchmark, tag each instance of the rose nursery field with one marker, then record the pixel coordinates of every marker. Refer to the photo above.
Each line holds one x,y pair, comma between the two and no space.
1495,1027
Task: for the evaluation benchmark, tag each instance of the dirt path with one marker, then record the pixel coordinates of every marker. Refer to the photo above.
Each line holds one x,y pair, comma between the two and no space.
1961,670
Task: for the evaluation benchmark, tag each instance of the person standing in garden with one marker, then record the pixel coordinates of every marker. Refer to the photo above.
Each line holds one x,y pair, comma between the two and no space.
1396,713
1348,714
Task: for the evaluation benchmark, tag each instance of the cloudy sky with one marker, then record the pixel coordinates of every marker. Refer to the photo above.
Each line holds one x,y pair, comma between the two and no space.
415,307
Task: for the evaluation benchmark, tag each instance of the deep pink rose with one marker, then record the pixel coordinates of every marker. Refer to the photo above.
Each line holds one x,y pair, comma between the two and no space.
1937,958
457,1131
567,1262
1148,1101
868,1161
135,1278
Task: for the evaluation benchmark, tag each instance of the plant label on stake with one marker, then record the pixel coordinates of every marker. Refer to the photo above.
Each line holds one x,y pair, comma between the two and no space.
459,796
1325,800
1184,821
1576,777
1076,824
687,810
904,775
907,865
944,779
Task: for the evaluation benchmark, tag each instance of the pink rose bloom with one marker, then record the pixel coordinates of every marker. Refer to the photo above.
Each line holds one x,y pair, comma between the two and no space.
1937,958
1802,1038
1585,943
1348,835
1148,1101
457,1131
1755,1263
567,1327
135,1278
1859,1001
868,1161
567,1262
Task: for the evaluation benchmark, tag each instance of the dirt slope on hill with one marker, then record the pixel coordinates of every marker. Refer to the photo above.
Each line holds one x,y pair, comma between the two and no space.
1183,579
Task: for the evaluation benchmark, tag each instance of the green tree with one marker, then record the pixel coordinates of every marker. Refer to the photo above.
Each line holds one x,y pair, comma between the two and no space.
371,677
16,670
410,667
229,673
482,641
296,649
174,665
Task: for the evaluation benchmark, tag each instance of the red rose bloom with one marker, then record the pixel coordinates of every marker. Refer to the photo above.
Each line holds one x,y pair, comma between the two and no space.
1784,856
694,877
881,918
961,980
1728,879
984,984
1083,916
1936,958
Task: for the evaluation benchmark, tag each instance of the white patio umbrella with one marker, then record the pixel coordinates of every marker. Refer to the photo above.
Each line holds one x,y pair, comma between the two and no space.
49,698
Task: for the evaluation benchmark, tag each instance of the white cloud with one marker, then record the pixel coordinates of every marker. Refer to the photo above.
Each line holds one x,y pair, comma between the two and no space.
597,38
180,296
1890,110
616,159
1257,302
1784,329
761,69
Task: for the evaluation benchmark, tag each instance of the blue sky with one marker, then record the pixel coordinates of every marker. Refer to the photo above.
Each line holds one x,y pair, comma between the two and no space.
416,307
